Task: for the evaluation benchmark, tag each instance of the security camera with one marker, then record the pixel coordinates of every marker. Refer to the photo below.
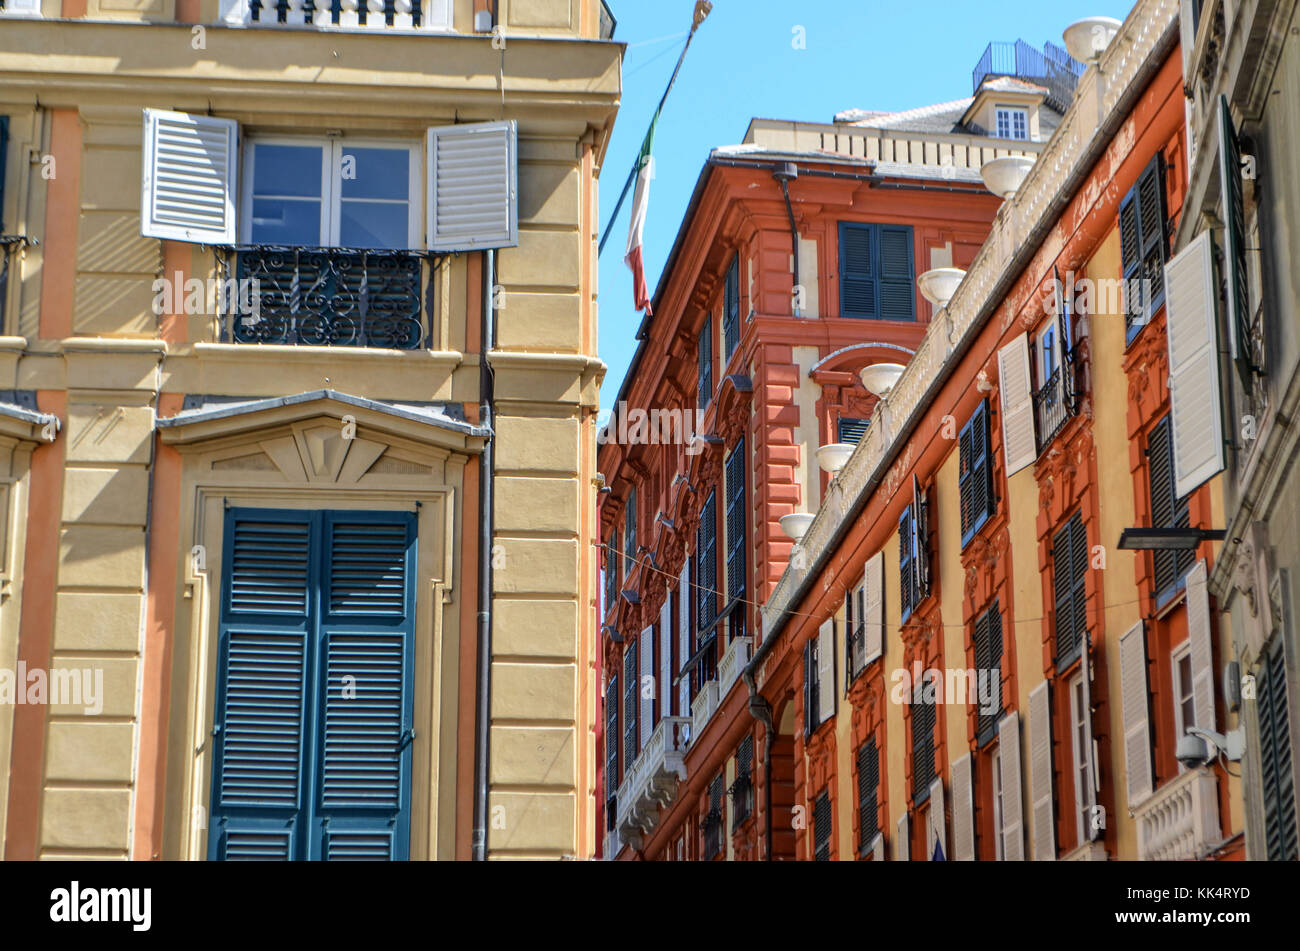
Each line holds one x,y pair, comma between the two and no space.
1193,751
1199,746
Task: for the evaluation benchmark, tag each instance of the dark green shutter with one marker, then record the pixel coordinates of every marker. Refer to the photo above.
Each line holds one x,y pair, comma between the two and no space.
631,702
923,724
809,688
611,570
857,270
611,750
1277,779
1167,511
822,826
1064,333
897,279
920,543
629,532
975,472
988,657
1234,252
877,271
1143,244
731,309
736,517
868,794
1069,577
706,545
705,355
851,429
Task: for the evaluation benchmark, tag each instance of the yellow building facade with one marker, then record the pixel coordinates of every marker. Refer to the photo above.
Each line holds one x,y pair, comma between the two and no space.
249,270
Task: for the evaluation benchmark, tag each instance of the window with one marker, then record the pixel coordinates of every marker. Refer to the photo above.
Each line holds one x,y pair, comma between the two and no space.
1184,699
1054,367
988,664
1047,352
819,694
731,310
851,429
923,724
300,770
975,473
811,688
737,515
331,193
822,825
997,805
1069,571
742,790
1081,755
629,533
631,678
612,566
1277,781
913,553
1143,247
1012,123
864,617
611,752
713,819
706,544
868,795
877,280
705,353
1170,566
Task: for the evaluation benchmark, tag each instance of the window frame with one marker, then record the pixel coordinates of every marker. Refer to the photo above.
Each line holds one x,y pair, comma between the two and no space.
1134,324
995,759
1177,655
875,272
1011,113
1081,765
980,419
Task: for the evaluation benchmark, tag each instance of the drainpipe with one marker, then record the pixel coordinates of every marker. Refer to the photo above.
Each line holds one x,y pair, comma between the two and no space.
785,173
486,521
761,710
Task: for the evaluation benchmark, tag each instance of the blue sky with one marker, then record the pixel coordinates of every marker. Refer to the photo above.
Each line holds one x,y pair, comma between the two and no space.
859,54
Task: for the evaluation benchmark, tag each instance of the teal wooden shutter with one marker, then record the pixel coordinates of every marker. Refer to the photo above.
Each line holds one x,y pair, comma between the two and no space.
857,270
975,473
367,654
257,805
906,572
851,429
988,658
1234,250
1277,779
897,287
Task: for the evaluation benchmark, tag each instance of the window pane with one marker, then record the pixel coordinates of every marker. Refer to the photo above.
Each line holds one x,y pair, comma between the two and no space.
376,173
286,221
369,224
287,170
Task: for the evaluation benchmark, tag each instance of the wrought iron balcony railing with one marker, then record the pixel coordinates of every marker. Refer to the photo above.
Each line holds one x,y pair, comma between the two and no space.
344,14
742,799
1054,404
329,297
712,834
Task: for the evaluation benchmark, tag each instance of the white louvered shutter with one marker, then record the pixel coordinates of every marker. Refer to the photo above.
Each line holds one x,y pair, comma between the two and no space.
826,692
963,810
878,847
473,174
1137,725
901,845
1089,741
684,602
666,656
31,8
647,645
1200,642
938,822
1013,810
1017,394
1040,774
188,185
1195,400
875,611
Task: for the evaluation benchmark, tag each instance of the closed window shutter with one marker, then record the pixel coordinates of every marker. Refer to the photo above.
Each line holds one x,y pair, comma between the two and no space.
923,723
611,571
188,190
647,697
611,745
906,575
1143,245
705,355
629,533
1234,240
472,174
822,823
938,819
874,584
1167,511
902,840
707,563
736,518
1194,395
665,685
826,693
1277,780
851,429
868,794
857,270
4,164
731,309
684,604
1069,579
897,280
1019,444
988,657
974,478
809,688
853,641
1137,721
963,810
1013,836
1040,773
1089,744
631,678
1200,637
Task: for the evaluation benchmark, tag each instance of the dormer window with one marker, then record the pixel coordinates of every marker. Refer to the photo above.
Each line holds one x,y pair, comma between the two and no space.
1012,123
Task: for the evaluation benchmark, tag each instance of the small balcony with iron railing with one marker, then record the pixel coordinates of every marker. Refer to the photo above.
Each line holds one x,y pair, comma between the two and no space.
389,15
652,779
1180,820
1055,402
1051,67
327,297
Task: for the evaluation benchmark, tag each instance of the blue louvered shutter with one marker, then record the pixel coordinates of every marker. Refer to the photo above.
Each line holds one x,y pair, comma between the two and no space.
1143,246
259,732
851,429
362,802
897,287
857,270
906,572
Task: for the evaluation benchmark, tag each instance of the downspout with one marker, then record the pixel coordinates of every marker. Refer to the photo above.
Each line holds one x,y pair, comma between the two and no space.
785,173
761,710
483,707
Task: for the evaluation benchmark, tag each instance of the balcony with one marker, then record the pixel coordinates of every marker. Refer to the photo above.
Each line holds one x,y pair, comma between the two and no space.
702,707
1053,406
396,15
732,663
328,297
652,780
1180,821
1052,68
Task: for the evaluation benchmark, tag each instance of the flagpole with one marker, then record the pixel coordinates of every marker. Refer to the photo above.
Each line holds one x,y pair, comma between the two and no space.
702,8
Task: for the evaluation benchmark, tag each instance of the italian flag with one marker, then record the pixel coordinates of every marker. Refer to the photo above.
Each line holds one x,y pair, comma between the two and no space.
645,165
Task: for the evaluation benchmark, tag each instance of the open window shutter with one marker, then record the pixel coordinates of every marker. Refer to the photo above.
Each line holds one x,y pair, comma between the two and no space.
1130,242
631,681
857,270
902,840
4,164
966,477
1018,440
809,676
261,705
1234,239
707,564
611,741
629,533
1193,369
647,698
826,692
897,284
188,188
1040,773
1276,774
1064,333
874,582
852,644
906,573
665,684
684,603
921,540
368,637
878,847
1089,742
1013,836
1201,642
737,515
472,175
1134,699
963,810
704,353
937,818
